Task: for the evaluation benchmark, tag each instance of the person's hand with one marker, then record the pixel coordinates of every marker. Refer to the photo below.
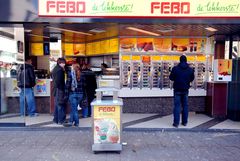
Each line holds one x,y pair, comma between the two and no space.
65,98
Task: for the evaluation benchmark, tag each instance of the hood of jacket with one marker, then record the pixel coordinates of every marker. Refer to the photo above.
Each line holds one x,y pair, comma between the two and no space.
26,66
183,65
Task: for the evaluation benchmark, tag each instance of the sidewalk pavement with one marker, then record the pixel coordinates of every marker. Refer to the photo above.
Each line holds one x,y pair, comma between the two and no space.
69,144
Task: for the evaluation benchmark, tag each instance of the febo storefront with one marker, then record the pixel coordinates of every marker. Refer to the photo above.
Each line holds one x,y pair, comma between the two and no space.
142,41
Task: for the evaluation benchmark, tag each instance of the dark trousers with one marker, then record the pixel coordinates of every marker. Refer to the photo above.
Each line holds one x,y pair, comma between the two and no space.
59,115
180,98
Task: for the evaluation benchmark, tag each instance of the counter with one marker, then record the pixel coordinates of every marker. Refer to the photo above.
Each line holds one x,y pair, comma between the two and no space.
42,92
42,88
156,92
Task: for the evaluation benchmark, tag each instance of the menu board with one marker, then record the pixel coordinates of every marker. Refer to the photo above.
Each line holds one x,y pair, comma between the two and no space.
104,46
37,49
180,44
113,45
197,44
162,44
68,49
144,44
89,48
79,49
128,44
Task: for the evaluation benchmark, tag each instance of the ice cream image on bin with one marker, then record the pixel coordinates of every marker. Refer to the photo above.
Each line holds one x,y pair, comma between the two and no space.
106,131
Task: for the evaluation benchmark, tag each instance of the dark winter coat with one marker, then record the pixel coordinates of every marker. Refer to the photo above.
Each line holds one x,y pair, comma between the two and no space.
30,79
58,79
182,75
91,83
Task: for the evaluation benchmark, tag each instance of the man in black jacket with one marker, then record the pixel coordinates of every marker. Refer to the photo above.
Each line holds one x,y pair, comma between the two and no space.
182,75
26,81
58,75
91,86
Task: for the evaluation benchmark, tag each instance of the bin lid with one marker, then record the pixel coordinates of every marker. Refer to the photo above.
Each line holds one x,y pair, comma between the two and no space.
107,103
106,89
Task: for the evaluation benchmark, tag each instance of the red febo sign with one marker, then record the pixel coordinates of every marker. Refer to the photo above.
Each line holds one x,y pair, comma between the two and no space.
170,7
66,6
113,8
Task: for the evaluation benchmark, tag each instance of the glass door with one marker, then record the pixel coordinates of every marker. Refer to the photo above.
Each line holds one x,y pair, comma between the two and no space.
11,57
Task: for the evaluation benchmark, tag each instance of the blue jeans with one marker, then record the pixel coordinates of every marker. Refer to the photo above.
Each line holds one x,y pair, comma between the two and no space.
180,98
75,99
59,115
30,100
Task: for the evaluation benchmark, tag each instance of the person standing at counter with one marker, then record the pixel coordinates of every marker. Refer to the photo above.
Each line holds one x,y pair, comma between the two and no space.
91,86
182,75
75,88
58,75
26,80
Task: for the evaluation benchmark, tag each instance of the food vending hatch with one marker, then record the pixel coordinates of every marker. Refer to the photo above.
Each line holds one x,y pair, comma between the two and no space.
166,70
156,72
146,72
200,75
136,71
126,74
191,63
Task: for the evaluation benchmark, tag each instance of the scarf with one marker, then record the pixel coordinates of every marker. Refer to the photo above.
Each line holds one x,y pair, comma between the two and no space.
74,80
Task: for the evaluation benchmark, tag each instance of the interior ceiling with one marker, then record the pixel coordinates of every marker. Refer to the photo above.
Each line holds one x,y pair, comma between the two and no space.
114,29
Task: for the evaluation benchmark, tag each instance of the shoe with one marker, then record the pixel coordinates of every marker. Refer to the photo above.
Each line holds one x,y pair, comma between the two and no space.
175,125
184,124
34,115
76,125
68,124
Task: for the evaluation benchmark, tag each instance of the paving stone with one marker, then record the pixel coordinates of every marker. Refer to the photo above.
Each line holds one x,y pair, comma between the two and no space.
75,145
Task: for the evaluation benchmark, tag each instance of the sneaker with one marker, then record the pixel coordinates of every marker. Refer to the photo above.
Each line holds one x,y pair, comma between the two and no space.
68,124
184,124
175,125
34,115
76,125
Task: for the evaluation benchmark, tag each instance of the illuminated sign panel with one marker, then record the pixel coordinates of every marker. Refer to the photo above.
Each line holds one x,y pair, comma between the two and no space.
139,8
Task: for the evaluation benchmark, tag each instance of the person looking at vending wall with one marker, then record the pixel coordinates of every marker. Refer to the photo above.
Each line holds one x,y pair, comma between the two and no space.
26,80
181,75
58,75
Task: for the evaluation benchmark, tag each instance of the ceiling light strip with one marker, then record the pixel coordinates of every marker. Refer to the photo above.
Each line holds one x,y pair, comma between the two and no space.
39,36
142,31
211,29
61,29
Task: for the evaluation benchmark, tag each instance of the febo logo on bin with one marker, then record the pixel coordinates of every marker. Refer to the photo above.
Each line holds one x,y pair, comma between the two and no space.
106,109
66,6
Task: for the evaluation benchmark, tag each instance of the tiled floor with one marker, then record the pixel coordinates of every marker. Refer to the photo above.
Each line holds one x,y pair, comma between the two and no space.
135,121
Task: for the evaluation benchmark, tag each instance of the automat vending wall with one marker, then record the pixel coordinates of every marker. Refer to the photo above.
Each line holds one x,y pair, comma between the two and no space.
145,66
